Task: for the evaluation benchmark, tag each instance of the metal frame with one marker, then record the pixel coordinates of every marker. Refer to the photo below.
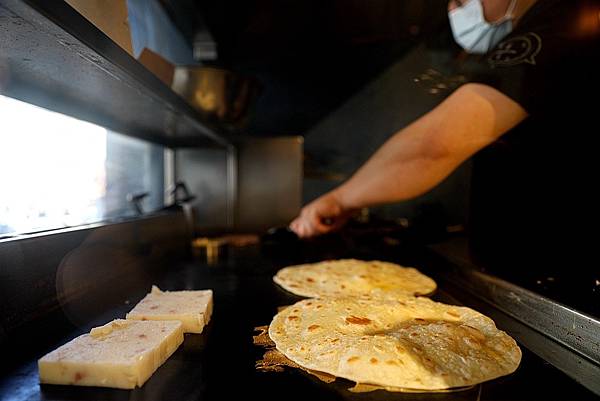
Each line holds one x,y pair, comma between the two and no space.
54,58
232,186
578,332
580,368
39,260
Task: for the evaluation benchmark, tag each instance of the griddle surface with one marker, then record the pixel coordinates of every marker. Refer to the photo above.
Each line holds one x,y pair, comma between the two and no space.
219,364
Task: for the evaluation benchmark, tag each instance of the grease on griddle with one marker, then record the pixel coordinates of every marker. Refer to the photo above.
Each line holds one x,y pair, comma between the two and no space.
275,361
262,339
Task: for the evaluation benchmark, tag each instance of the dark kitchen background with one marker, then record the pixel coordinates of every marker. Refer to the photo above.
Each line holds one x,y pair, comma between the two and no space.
335,79
347,75
343,74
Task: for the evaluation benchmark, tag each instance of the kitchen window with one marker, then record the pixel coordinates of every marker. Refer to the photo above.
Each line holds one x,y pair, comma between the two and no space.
57,171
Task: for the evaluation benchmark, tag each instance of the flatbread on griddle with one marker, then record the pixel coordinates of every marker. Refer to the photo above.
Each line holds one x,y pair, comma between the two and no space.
351,277
413,343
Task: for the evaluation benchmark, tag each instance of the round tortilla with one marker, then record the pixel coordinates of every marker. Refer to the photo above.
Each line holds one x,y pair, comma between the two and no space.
414,343
351,277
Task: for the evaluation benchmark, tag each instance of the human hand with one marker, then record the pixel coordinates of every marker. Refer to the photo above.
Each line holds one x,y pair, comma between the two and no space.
323,215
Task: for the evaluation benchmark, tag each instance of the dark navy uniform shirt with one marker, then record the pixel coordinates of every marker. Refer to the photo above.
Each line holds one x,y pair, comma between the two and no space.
534,191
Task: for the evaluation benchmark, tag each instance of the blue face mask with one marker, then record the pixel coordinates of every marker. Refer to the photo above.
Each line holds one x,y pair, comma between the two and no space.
473,32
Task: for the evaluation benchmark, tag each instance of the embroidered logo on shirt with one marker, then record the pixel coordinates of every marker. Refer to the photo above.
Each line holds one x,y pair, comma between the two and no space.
516,50
435,82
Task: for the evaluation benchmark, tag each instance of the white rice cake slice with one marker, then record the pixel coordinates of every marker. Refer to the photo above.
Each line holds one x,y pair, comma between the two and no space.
192,308
121,354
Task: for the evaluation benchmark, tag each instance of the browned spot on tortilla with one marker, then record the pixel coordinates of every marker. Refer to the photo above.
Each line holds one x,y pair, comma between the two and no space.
358,320
353,359
313,327
154,307
374,361
293,317
391,362
342,286
475,333
79,376
310,280
472,342
319,306
293,285
296,310
418,319
413,334
335,340
400,349
428,363
143,336
144,318
308,303
362,276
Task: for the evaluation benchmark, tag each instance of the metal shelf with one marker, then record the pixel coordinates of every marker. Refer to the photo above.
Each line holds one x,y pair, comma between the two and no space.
574,330
53,57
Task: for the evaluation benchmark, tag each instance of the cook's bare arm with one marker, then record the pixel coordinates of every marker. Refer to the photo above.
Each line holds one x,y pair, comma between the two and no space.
418,157
321,216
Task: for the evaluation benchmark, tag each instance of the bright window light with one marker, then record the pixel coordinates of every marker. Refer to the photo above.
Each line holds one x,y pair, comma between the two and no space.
57,171
52,169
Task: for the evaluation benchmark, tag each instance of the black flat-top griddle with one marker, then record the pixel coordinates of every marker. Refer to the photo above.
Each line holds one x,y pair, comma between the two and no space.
219,364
